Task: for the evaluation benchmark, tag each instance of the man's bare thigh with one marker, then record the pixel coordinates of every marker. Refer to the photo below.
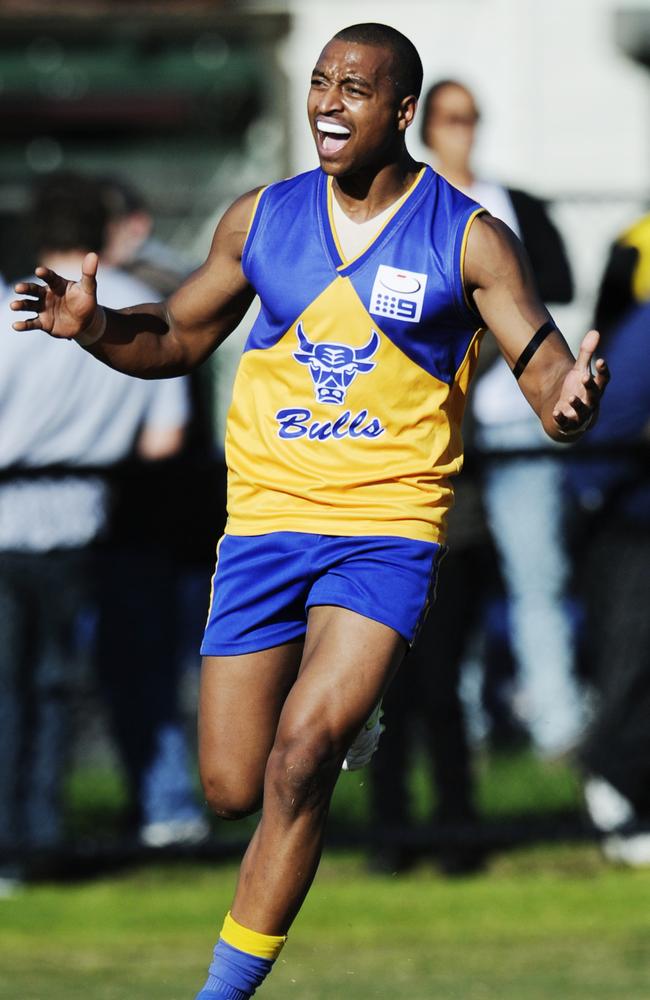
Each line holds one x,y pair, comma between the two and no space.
240,702
347,664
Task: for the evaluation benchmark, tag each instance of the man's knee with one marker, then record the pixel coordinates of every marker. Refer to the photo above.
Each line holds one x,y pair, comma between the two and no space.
303,767
231,795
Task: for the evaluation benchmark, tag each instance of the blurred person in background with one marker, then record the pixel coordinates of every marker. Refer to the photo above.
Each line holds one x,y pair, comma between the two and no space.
613,493
523,495
59,409
423,708
130,242
625,283
161,538
335,521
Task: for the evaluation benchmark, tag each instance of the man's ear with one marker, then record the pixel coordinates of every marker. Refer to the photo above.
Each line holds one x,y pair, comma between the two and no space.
406,112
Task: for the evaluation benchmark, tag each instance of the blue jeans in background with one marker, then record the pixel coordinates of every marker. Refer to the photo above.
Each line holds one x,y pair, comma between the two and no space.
525,505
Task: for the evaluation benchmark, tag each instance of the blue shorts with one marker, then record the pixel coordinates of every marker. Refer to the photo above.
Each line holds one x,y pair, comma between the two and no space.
264,585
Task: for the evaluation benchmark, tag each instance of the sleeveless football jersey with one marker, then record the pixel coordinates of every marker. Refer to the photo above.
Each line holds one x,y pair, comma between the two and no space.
350,391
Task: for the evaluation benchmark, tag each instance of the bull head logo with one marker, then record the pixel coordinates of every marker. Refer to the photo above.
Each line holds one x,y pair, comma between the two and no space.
334,367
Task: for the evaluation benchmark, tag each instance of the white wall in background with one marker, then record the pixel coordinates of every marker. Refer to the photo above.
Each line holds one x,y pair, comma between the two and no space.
564,109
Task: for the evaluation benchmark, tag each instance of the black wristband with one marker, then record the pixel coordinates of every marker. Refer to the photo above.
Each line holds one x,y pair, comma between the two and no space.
531,347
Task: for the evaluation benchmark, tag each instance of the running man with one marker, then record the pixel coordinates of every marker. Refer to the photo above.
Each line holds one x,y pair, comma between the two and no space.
376,279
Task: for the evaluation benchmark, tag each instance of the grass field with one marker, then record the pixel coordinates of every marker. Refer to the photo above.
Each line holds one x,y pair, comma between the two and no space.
550,921
539,923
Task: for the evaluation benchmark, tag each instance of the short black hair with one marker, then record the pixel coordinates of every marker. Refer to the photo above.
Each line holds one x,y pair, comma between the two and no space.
68,212
430,97
407,65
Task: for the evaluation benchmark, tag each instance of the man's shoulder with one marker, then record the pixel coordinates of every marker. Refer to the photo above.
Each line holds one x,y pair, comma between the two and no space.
296,183
281,205
440,188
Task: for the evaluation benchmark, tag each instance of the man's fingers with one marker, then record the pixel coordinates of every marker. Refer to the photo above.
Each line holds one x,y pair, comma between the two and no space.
578,405
595,382
25,305
27,324
564,423
583,410
29,288
34,304
602,376
89,273
54,280
575,411
587,349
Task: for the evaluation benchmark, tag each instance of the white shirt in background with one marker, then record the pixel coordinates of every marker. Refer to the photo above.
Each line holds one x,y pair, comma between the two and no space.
60,406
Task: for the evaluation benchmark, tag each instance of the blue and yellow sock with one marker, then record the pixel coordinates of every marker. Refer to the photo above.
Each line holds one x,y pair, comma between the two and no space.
242,960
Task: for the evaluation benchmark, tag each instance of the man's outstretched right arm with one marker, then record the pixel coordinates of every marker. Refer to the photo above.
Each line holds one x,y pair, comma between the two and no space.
153,340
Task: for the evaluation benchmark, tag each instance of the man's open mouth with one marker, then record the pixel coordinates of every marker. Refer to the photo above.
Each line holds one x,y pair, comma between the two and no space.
332,135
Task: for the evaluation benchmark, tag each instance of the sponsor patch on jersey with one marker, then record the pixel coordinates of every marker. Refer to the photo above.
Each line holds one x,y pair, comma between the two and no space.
398,294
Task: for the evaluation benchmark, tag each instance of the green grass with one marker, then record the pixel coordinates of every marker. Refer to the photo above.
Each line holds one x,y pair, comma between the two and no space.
542,923
553,923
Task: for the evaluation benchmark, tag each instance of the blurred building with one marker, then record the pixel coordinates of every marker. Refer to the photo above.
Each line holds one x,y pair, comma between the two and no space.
176,96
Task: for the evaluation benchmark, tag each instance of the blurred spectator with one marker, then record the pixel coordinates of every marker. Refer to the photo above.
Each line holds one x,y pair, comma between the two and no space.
423,708
626,280
58,409
523,495
613,489
163,535
132,247
130,243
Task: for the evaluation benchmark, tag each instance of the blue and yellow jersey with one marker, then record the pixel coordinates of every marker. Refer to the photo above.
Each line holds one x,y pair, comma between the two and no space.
351,388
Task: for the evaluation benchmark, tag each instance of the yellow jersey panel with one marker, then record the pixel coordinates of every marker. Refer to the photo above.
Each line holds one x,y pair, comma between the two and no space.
349,395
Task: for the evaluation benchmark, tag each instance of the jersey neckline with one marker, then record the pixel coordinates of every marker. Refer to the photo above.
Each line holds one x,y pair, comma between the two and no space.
403,207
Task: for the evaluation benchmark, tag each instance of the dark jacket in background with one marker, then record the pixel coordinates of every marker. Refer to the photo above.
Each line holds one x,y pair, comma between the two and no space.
626,279
544,246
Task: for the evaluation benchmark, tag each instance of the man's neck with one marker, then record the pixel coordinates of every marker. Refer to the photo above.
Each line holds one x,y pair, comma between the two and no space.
367,193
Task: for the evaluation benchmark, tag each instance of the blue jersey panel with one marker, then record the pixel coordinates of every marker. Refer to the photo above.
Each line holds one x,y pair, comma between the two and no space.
291,254
284,256
425,245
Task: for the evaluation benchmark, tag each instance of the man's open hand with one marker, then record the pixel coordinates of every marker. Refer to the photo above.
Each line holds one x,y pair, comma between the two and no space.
64,309
581,390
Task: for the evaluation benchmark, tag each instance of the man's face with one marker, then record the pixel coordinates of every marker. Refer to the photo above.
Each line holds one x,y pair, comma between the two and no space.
355,116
